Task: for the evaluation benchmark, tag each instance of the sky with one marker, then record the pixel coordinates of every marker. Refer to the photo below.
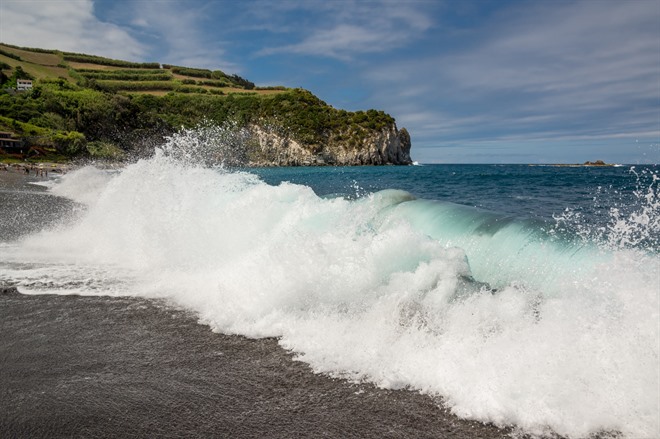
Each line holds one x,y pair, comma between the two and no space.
473,81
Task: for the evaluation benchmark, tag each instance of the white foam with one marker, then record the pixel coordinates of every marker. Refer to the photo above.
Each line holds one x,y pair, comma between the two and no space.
82,185
358,292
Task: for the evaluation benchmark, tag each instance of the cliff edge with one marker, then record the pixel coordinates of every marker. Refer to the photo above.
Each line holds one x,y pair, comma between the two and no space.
387,146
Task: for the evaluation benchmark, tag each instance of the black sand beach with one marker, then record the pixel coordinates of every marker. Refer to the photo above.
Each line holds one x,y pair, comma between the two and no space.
97,367
122,367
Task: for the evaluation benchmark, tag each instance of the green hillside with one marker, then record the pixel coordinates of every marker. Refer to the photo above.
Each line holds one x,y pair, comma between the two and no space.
117,75
86,105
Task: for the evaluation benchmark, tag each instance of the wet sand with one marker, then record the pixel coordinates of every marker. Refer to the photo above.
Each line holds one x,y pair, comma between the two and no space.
99,367
27,207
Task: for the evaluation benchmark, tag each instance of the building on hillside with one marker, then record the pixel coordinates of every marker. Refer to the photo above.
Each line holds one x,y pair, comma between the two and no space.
9,144
23,84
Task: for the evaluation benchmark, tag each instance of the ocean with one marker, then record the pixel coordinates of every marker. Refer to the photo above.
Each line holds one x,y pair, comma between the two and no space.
520,296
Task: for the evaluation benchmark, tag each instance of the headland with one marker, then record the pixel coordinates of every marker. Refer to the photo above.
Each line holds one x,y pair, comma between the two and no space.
60,106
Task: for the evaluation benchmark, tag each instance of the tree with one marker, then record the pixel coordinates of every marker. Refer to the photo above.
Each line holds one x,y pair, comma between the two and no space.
3,77
19,73
71,143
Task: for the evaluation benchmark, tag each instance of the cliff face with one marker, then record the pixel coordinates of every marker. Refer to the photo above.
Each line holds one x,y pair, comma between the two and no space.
388,146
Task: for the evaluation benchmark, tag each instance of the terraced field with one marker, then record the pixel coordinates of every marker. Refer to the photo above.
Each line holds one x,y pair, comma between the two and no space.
123,76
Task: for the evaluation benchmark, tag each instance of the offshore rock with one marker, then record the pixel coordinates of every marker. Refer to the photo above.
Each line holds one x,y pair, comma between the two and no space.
388,146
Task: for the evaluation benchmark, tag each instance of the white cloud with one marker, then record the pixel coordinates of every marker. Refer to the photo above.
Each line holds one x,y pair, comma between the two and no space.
174,30
586,48
68,25
582,70
182,30
345,29
140,22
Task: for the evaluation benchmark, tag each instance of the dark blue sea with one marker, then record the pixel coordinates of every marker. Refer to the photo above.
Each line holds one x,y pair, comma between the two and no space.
521,191
524,296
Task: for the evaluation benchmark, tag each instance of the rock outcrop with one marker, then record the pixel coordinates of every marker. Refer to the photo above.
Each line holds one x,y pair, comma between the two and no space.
388,146
596,163
6,290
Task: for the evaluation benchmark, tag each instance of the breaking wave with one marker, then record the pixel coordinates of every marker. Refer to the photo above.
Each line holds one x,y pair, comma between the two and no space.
512,322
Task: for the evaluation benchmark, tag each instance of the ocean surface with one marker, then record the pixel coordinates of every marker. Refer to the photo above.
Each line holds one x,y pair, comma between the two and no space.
524,296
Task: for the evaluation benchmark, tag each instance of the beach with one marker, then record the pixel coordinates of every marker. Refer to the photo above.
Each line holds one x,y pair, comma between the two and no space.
35,169
162,300
77,366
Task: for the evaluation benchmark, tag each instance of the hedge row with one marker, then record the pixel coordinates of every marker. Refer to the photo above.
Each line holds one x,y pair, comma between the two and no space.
91,59
120,71
31,49
272,87
126,76
189,71
113,86
212,83
10,55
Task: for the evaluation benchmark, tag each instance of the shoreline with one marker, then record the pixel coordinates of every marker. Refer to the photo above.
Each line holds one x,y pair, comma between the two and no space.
80,366
40,169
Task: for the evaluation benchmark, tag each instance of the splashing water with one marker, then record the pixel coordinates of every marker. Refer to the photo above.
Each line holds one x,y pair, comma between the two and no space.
209,144
384,288
634,223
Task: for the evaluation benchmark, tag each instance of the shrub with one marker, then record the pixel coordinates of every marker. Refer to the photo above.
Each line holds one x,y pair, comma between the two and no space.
212,83
242,82
218,74
102,149
271,87
189,71
71,143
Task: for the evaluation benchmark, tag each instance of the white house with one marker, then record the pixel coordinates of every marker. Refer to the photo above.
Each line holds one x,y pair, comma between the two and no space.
23,84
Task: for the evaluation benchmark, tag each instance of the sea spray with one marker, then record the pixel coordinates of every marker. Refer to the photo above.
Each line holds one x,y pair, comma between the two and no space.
506,322
633,219
210,145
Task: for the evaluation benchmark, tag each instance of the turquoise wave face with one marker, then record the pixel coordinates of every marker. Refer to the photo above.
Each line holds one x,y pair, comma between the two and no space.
512,319
503,249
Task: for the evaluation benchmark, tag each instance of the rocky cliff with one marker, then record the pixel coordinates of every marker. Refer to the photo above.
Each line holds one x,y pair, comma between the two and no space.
388,146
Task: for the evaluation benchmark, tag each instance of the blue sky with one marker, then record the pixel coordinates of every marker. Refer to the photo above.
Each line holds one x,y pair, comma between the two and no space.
502,81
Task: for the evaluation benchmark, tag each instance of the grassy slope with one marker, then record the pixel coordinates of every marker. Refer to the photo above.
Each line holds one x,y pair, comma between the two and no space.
39,65
97,111
48,65
53,65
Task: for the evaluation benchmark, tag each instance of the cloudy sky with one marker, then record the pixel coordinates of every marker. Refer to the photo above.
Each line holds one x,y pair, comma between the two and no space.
483,81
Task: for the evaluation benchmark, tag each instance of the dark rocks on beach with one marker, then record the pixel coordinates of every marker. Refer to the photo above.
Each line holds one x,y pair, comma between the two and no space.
8,291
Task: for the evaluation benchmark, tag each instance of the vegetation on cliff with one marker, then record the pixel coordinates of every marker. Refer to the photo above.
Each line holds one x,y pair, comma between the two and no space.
85,105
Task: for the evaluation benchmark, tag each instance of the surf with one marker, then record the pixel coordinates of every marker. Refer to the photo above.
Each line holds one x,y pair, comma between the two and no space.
508,320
